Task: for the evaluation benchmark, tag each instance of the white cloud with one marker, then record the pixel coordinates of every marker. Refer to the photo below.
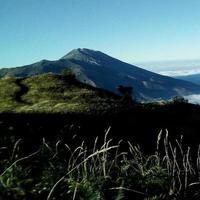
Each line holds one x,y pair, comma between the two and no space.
194,98
183,72
173,68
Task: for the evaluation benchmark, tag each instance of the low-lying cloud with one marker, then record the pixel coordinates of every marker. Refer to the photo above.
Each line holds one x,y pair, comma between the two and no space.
194,98
183,72
173,68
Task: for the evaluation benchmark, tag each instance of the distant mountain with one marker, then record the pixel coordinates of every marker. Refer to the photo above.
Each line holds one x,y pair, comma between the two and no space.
102,71
194,78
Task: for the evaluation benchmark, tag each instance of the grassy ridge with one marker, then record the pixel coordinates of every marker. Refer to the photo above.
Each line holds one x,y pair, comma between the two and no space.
8,91
50,93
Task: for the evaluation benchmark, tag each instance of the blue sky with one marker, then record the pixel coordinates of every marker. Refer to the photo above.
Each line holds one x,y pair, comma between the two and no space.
131,30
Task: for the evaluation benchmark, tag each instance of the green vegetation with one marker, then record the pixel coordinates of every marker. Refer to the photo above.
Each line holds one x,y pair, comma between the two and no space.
8,91
57,171
50,93
60,108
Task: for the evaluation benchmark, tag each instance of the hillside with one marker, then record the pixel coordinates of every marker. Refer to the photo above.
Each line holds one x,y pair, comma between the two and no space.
52,93
65,130
194,78
100,70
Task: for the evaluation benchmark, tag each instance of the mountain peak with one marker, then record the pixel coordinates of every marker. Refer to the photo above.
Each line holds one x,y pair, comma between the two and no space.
80,52
86,55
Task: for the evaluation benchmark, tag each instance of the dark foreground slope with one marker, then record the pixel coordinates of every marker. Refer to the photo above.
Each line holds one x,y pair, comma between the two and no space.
139,124
55,156
100,70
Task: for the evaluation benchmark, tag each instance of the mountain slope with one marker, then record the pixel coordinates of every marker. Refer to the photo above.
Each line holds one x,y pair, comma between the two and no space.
100,70
53,93
194,78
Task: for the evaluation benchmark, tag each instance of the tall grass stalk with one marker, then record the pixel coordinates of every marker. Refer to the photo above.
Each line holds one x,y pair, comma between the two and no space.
109,171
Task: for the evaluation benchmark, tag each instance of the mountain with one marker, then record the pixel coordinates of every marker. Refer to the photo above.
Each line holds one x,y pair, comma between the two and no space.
53,93
194,78
102,71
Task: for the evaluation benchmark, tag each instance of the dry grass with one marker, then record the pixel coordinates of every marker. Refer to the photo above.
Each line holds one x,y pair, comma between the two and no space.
108,172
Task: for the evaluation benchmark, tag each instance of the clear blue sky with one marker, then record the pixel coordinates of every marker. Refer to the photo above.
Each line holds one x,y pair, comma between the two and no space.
131,30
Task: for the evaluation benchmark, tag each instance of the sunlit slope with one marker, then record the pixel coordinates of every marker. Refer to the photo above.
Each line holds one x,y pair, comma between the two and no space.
53,93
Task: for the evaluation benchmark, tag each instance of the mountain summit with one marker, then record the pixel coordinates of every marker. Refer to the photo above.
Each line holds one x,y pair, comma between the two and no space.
103,71
91,57
84,54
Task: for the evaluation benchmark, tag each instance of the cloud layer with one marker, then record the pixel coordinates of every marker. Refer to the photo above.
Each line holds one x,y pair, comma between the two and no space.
195,98
183,72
